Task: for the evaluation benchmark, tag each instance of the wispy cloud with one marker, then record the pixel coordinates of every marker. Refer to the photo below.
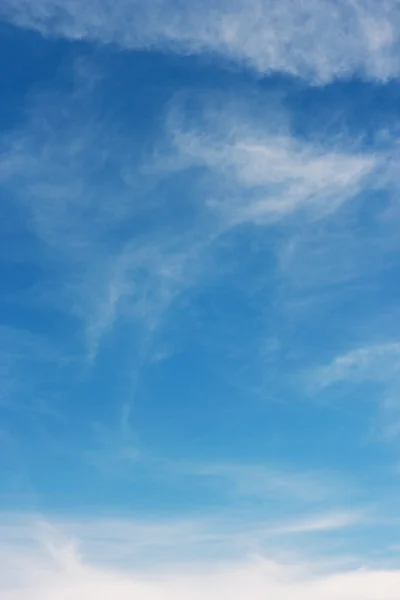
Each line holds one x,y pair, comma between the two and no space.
115,261
153,208
45,167
377,364
67,172
325,522
318,39
266,481
265,174
380,363
53,565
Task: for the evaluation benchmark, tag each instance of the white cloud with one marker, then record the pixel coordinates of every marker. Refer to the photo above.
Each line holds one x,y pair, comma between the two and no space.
325,522
317,39
53,567
380,363
266,176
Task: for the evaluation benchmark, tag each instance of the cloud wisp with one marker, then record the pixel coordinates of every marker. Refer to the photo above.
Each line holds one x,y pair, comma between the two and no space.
67,173
324,522
319,40
261,481
379,363
267,175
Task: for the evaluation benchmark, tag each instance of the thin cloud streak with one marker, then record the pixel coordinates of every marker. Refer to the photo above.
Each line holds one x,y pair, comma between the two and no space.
54,166
378,363
267,176
325,522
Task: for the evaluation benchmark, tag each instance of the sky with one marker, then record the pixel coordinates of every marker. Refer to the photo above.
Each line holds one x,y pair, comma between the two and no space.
199,308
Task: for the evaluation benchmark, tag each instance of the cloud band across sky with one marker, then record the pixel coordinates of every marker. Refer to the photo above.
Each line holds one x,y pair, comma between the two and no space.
320,40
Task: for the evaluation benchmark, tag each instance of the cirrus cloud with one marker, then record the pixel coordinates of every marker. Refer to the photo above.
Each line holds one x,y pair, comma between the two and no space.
320,40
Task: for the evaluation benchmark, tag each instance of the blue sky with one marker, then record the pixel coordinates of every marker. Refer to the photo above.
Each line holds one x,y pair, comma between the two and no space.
199,324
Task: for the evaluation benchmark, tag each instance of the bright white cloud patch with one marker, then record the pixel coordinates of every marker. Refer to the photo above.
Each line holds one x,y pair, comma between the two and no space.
54,568
317,39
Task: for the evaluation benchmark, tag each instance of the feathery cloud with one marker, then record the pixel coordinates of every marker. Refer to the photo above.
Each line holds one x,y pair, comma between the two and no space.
320,40
380,363
325,522
265,174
